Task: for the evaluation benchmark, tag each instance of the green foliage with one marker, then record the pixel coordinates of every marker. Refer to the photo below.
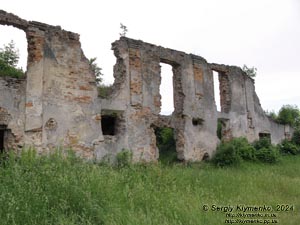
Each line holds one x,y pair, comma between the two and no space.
265,151
238,150
245,150
124,158
226,155
96,70
9,58
289,114
250,71
6,70
104,90
296,137
272,115
233,152
262,143
288,147
9,54
268,155
166,144
60,189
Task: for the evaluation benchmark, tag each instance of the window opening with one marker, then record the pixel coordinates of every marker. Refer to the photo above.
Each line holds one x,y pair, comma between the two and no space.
217,93
8,34
108,124
264,135
166,89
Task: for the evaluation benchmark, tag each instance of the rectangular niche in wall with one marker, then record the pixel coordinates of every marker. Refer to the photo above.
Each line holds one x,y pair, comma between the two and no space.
264,135
108,124
111,122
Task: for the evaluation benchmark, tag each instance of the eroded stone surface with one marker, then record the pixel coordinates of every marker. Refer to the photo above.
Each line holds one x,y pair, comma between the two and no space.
58,105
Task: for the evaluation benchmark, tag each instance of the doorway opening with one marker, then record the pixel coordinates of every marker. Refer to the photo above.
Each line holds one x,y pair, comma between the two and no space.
166,145
166,89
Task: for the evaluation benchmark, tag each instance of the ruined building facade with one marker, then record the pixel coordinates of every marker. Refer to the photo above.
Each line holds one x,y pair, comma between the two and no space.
57,104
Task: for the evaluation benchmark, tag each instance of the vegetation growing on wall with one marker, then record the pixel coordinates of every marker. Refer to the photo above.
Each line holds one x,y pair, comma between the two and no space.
250,71
287,115
104,90
9,58
96,70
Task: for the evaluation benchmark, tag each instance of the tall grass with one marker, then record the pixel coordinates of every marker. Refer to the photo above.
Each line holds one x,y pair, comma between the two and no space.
59,189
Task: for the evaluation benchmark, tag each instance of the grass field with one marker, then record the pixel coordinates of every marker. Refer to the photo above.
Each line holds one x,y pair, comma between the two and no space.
53,190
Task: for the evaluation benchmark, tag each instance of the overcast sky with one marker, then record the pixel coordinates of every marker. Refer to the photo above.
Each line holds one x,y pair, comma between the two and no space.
260,33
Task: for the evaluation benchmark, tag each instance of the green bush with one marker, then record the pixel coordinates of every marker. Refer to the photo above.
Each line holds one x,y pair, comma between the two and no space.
238,150
265,151
245,150
233,152
289,114
262,143
288,147
296,137
267,155
226,155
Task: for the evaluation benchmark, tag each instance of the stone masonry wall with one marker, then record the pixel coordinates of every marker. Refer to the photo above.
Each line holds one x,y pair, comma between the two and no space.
57,105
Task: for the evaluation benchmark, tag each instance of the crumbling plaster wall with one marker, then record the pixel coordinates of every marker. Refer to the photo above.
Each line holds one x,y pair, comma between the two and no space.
12,107
61,103
241,109
58,105
139,101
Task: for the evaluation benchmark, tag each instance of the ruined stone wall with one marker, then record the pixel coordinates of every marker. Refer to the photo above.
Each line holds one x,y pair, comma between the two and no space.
57,105
12,108
241,110
61,107
139,102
